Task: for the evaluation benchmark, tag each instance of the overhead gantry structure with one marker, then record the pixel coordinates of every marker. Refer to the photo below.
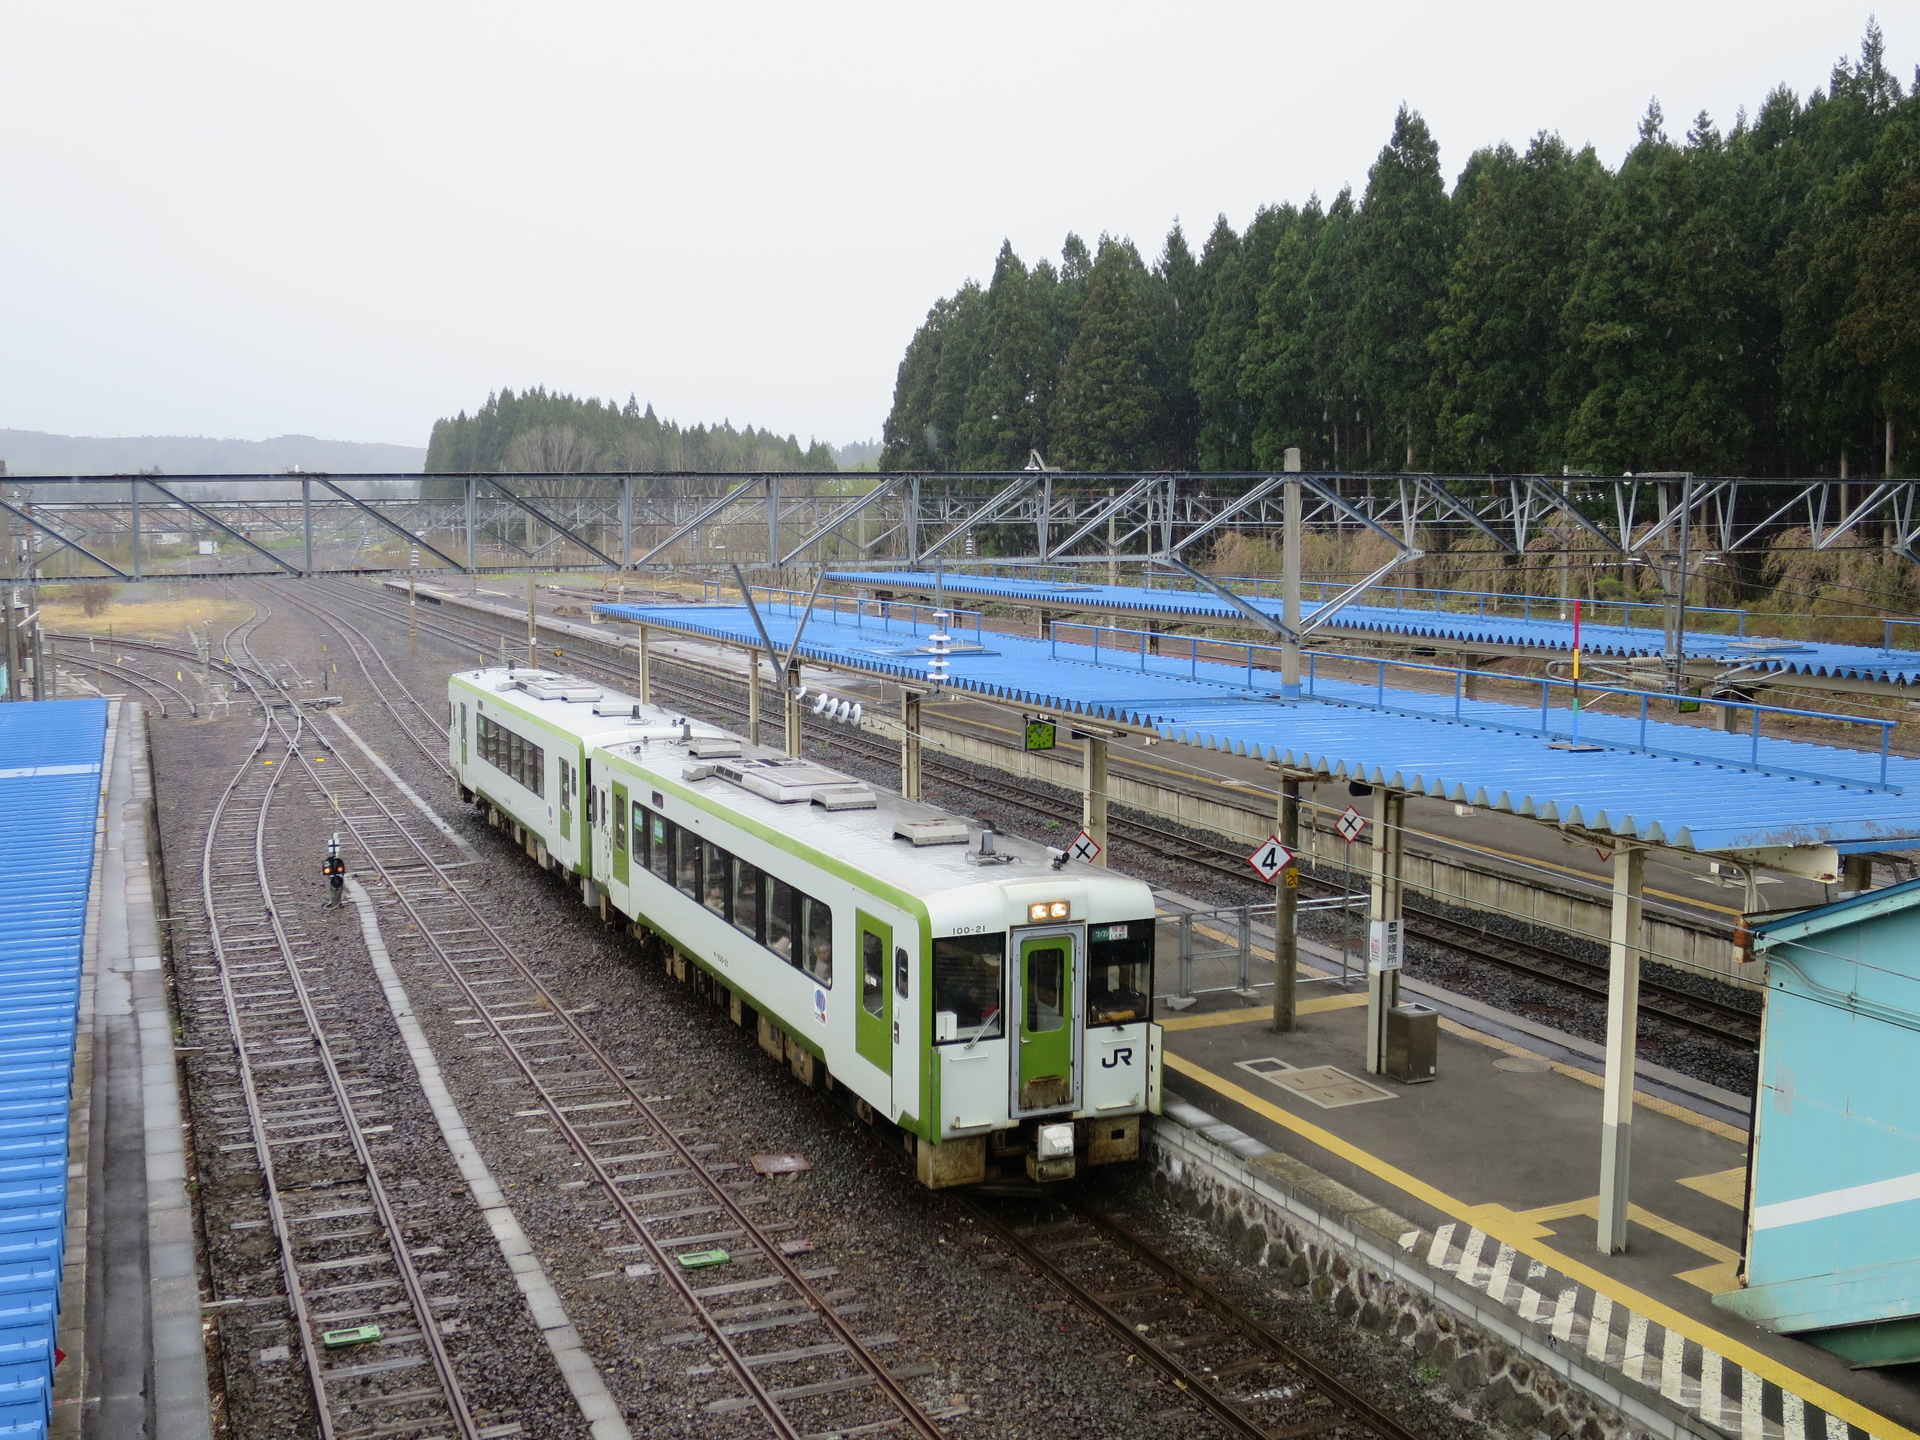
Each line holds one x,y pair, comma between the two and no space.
145,527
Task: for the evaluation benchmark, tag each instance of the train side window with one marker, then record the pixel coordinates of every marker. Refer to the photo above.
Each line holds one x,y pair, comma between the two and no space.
1119,972
715,864
967,987
686,870
619,823
780,909
1046,986
817,925
900,967
640,818
660,847
566,789
747,882
873,973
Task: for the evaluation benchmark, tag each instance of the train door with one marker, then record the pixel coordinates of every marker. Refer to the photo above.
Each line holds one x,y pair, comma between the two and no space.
618,826
1046,999
567,773
593,837
873,1017
463,734
906,1025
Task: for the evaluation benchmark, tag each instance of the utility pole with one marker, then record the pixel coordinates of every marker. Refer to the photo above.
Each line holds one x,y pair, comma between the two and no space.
1290,589
13,645
533,638
1286,913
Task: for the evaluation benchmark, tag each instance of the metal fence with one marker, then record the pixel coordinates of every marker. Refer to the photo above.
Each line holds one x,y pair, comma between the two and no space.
1230,949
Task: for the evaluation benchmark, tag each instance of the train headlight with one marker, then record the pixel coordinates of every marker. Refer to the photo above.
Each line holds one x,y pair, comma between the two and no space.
1048,910
1053,1142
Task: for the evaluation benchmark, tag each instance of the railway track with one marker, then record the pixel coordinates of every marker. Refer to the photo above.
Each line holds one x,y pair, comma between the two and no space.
1243,1374
1676,1005
788,1339
154,687
309,1110
1247,1378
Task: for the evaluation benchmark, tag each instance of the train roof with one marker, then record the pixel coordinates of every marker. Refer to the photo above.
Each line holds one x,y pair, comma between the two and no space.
803,800
583,708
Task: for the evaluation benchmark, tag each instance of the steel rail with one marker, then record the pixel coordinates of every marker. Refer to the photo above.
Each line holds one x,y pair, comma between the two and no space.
256,1119
1200,1386
738,1361
140,679
355,638
410,1281
918,1421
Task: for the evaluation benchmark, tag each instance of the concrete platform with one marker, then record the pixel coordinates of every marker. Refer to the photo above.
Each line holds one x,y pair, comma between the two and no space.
130,1321
1493,1168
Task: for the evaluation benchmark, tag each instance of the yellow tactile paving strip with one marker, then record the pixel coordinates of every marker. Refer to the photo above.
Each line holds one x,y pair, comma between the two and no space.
1519,1235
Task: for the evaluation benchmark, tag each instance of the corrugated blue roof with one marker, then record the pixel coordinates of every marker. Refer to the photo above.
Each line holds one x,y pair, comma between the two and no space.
50,759
1709,791
1793,657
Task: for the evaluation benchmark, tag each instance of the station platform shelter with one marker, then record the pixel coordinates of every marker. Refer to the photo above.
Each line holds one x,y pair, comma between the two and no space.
1487,625
1588,1203
100,1316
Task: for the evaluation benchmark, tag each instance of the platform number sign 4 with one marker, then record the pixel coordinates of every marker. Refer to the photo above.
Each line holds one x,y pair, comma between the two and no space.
1270,858
1083,847
1350,825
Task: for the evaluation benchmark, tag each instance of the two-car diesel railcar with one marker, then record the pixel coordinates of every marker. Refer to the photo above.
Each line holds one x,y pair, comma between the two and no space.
983,995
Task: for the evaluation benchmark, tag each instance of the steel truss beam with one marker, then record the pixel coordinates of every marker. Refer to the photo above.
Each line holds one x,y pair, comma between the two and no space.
1025,517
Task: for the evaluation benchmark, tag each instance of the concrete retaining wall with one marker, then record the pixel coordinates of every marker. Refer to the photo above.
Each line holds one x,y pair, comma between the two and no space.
1311,1233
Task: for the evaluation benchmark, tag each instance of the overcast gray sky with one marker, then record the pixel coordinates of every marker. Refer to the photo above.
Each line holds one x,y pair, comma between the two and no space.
347,219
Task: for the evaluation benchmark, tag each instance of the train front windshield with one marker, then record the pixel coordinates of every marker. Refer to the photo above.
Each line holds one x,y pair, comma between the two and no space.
967,989
1119,972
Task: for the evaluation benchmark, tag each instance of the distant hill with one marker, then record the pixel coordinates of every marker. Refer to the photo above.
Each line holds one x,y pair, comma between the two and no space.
34,452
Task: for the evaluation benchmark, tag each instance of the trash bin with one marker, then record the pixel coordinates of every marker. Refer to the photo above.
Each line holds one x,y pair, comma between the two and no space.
1413,1043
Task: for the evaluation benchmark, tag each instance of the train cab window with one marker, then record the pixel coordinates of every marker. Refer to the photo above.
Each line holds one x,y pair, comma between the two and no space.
566,786
873,973
619,823
714,865
1119,972
967,987
1046,988
900,967
816,924
780,907
747,881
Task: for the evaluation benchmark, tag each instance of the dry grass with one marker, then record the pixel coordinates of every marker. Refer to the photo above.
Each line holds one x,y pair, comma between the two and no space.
166,618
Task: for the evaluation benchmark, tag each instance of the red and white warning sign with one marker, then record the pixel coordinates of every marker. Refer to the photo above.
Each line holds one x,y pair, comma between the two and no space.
1270,858
1083,847
1351,825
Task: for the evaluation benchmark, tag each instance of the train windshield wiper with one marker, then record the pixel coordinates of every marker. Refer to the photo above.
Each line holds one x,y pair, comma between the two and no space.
992,1016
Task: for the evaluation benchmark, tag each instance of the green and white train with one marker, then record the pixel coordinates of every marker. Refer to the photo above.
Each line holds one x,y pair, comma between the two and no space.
984,996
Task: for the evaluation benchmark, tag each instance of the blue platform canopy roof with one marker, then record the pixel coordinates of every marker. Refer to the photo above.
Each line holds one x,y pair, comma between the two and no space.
50,762
1788,657
1700,789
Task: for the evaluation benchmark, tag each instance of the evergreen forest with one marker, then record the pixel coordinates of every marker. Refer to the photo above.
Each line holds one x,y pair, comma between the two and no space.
1738,302
535,431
